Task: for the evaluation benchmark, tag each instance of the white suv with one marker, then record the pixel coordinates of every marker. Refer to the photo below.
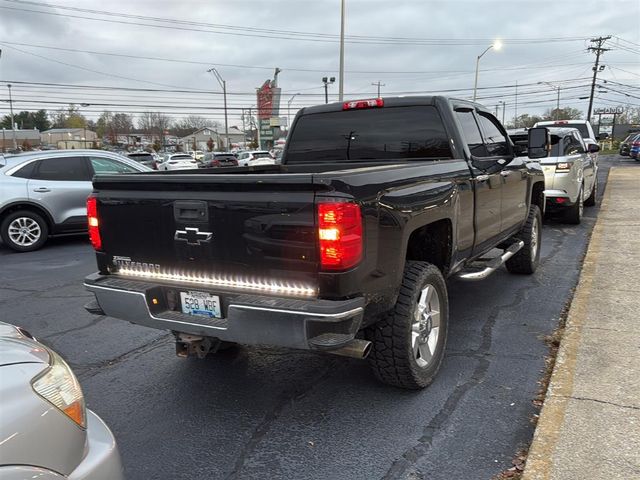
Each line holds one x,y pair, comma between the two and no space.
583,126
570,174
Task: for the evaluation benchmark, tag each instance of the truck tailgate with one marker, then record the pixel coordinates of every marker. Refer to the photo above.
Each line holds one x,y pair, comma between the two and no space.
242,225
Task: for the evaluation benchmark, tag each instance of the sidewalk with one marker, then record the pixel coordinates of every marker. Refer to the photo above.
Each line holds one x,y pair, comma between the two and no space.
589,427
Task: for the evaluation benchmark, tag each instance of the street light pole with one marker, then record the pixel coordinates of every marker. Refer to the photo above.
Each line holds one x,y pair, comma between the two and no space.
326,82
84,105
289,110
13,125
497,45
555,87
223,84
341,84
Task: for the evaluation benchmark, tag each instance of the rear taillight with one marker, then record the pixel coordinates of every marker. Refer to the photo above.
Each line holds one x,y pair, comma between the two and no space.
358,104
339,235
94,223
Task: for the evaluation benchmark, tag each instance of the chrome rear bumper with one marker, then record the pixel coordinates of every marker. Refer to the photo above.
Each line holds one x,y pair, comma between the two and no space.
247,319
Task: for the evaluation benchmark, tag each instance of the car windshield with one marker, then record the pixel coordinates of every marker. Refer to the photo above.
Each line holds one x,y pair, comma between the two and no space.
414,132
261,155
225,157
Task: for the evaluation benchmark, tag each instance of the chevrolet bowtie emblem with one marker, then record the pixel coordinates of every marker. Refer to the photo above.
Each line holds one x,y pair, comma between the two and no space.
193,236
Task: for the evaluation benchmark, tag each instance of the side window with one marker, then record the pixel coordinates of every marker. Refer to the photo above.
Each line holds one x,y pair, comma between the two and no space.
471,133
26,171
103,166
495,141
579,143
572,145
62,169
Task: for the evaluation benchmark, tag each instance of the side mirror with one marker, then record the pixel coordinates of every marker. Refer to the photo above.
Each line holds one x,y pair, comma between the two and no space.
539,142
593,148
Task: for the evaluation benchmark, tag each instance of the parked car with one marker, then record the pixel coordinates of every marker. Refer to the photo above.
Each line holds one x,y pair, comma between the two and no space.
145,158
44,194
634,151
178,161
248,158
571,174
344,248
625,145
219,159
46,430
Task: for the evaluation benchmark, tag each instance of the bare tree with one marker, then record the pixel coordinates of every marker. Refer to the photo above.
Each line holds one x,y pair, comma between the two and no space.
154,122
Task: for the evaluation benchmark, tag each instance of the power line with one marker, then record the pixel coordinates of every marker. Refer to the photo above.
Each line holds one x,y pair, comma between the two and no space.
547,63
269,33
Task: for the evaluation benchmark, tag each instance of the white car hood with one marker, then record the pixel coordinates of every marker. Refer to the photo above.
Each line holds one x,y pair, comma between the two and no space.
15,347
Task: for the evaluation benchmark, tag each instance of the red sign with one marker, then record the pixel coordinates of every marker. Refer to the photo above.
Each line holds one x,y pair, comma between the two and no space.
265,100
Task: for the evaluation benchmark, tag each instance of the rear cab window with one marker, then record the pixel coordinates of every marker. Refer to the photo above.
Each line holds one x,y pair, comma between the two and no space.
376,134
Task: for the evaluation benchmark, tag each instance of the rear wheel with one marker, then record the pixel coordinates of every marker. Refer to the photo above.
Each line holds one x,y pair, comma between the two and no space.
591,201
24,231
528,257
574,213
408,344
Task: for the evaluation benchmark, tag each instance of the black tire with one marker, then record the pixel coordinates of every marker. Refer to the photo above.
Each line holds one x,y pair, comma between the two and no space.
35,224
591,201
527,259
392,357
573,214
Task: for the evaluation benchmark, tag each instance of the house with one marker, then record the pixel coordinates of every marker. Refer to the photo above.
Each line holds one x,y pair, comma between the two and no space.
200,137
69,137
25,139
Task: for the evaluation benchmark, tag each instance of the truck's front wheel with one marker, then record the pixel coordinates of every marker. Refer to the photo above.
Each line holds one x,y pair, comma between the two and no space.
409,343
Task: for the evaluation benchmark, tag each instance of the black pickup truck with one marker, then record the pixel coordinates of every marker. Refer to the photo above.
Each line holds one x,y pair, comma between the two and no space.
343,248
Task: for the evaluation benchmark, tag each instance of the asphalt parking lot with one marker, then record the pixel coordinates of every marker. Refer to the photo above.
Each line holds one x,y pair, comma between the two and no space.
270,413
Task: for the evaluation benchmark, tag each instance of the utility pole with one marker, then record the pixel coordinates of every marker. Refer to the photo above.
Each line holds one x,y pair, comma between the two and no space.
504,105
378,84
598,50
13,125
515,113
341,84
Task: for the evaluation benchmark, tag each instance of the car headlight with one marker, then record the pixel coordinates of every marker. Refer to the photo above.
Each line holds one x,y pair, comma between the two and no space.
564,166
59,386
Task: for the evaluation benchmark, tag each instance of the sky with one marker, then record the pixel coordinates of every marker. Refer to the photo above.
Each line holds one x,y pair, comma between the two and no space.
410,46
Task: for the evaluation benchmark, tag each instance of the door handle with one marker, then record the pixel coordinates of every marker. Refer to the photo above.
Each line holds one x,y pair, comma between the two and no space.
482,178
505,173
42,189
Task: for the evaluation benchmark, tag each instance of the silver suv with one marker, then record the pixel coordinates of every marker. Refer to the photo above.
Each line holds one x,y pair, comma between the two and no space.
45,193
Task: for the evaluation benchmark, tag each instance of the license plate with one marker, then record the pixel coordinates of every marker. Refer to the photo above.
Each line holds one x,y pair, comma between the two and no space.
200,303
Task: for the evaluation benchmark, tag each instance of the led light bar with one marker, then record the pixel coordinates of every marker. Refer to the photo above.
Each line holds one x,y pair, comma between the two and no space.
253,285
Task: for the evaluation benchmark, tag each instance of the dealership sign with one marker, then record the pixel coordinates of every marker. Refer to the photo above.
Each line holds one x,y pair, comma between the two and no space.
609,110
268,100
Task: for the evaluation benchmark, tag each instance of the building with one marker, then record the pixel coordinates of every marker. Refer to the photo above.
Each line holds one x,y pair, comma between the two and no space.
25,139
69,137
201,137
